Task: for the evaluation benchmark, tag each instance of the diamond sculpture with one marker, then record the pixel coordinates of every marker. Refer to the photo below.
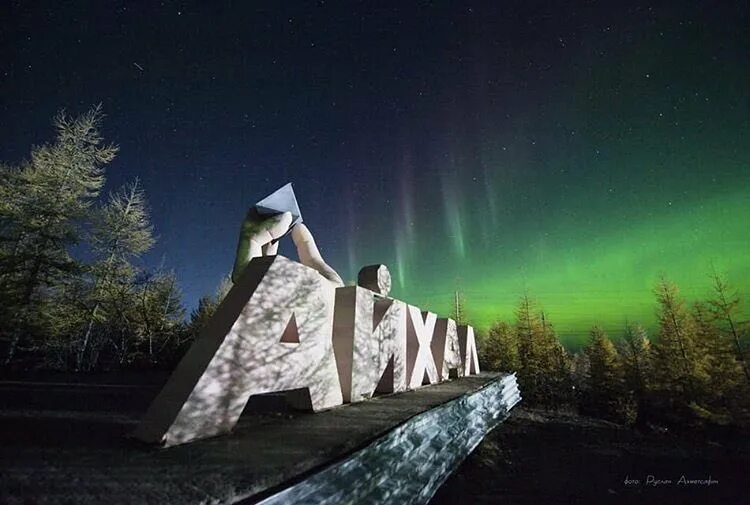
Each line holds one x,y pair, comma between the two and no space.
281,200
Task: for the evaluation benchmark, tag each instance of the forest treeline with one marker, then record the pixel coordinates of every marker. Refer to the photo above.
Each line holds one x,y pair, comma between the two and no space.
73,292
694,372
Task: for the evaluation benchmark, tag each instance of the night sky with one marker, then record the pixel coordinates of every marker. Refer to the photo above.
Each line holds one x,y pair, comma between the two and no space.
576,151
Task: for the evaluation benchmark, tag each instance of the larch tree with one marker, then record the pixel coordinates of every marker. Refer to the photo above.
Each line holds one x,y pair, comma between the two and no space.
725,393
207,306
122,232
44,203
604,375
725,307
225,285
635,351
201,315
580,366
159,316
500,348
458,308
531,349
679,363
11,179
557,366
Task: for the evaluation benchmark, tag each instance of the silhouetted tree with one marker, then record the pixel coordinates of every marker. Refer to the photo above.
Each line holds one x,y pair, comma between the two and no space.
207,306
200,315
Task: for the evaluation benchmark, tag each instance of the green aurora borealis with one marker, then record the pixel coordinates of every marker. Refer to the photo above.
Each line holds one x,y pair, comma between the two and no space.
598,265
638,169
609,279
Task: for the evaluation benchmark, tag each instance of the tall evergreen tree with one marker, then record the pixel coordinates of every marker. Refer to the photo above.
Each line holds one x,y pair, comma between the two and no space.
725,307
580,368
225,284
635,351
458,308
121,233
159,316
500,348
66,316
44,202
530,348
679,363
604,375
201,315
207,306
725,393
545,367
557,365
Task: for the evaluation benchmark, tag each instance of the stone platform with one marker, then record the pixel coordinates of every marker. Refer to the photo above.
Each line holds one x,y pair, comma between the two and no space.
392,449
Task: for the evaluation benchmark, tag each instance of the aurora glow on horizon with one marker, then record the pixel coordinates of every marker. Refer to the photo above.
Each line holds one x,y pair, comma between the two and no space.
576,152
589,253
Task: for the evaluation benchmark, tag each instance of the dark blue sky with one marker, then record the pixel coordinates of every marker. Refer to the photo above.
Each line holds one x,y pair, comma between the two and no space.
435,137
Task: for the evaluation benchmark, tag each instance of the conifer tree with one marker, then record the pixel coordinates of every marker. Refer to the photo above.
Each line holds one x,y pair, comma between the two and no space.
201,315
579,365
500,348
530,348
122,232
725,307
679,364
159,315
557,365
561,376
604,375
225,284
635,351
545,367
726,395
207,306
44,202
458,308
66,316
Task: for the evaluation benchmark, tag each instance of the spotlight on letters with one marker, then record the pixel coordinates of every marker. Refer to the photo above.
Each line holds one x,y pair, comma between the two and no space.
292,326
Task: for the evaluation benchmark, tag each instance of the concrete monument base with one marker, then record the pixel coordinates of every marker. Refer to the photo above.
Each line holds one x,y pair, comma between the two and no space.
397,448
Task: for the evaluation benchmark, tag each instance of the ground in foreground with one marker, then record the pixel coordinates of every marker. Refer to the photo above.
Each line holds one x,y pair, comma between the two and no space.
544,457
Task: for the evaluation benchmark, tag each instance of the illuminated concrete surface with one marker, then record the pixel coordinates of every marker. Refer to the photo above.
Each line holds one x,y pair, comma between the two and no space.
270,333
369,341
410,462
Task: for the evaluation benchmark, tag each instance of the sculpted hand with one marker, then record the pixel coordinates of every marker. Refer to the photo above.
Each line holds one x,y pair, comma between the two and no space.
259,236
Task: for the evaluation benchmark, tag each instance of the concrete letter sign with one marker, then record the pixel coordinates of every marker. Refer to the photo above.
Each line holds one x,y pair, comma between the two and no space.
446,350
420,365
277,330
369,340
272,332
468,346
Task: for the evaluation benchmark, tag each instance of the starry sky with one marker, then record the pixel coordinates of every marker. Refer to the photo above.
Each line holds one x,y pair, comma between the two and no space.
572,150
